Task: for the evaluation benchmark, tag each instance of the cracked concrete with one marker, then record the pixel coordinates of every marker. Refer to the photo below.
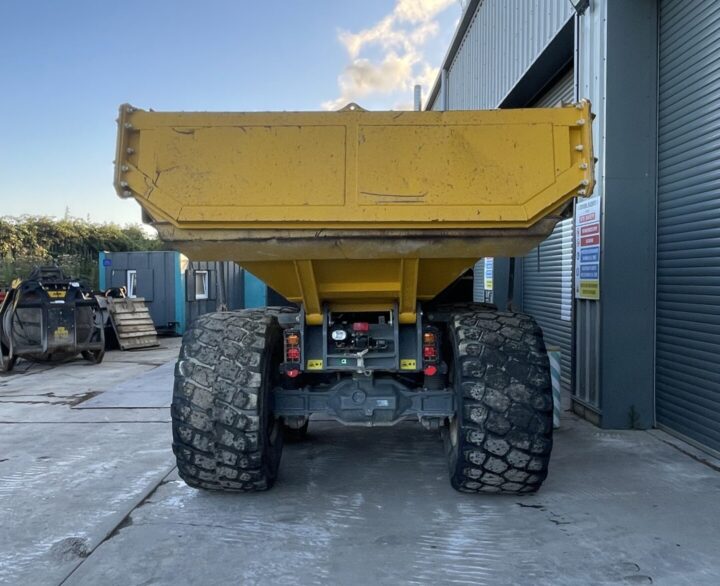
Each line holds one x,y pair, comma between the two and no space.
89,495
67,476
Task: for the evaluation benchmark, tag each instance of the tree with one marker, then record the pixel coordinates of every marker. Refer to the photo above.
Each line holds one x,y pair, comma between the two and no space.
70,242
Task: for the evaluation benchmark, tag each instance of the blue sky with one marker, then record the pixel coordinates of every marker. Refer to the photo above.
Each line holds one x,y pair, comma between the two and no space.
66,65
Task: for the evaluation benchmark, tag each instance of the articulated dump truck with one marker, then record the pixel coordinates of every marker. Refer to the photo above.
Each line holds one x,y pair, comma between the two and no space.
364,221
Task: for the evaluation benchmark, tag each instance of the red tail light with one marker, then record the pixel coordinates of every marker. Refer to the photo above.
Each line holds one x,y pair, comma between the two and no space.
361,326
293,354
430,351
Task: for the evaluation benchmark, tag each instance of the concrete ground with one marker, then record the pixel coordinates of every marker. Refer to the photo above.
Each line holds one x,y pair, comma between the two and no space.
89,495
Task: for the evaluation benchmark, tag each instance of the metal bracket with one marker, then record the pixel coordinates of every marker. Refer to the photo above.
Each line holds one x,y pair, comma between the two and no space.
368,402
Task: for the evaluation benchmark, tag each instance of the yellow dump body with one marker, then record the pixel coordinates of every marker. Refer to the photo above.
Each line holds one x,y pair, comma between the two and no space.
355,209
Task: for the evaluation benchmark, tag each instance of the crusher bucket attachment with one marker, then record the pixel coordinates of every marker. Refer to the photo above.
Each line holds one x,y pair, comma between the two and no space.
49,317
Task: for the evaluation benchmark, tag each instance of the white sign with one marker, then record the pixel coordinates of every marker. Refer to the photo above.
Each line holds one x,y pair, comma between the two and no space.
489,274
587,248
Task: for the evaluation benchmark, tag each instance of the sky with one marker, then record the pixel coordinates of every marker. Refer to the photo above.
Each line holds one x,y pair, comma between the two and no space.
66,66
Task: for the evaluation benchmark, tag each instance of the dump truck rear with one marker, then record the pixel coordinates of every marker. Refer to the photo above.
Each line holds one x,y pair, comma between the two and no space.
365,221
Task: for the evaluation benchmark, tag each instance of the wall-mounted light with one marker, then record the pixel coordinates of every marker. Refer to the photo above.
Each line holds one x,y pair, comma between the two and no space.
580,6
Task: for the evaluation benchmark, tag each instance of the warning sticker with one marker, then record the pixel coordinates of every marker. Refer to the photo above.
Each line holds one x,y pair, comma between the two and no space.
61,332
408,364
589,289
314,364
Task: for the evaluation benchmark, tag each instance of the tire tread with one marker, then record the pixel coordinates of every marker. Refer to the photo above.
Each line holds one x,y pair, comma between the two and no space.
505,396
215,408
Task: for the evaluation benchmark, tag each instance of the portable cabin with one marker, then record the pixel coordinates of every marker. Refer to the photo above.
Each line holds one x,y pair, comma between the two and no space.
177,291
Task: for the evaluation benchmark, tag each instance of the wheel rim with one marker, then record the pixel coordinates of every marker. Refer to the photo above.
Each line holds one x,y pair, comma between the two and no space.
454,425
453,431
273,429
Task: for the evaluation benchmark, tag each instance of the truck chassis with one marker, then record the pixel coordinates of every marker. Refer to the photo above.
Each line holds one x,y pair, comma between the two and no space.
246,379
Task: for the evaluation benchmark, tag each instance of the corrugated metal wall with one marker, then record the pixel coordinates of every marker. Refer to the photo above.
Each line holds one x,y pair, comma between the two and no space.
563,92
478,281
688,229
548,269
232,296
590,63
548,292
502,41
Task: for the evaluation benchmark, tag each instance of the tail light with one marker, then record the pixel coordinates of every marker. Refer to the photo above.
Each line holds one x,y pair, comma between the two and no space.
430,350
293,354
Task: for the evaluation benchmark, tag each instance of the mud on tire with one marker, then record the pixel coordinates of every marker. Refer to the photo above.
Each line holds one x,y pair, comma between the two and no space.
224,434
501,437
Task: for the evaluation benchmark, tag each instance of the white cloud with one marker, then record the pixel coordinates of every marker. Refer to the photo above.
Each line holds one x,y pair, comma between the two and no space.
420,10
397,62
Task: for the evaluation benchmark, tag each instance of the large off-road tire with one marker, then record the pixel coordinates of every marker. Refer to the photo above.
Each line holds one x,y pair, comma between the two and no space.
501,437
225,436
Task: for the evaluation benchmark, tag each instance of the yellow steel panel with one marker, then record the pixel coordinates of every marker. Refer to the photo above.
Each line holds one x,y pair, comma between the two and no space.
358,284
354,209
369,169
436,274
453,165
241,166
359,306
309,287
563,157
408,289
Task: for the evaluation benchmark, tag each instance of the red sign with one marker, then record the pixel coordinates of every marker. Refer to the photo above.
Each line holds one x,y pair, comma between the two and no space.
590,240
586,218
591,229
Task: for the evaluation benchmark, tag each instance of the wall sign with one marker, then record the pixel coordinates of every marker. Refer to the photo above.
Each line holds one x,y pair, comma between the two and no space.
587,248
488,274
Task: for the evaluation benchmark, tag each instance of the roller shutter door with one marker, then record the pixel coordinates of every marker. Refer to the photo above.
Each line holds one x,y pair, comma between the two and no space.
547,270
688,229
478,281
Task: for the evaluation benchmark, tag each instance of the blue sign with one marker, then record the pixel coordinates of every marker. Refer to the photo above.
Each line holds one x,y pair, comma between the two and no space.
590,254
589,271
107,262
